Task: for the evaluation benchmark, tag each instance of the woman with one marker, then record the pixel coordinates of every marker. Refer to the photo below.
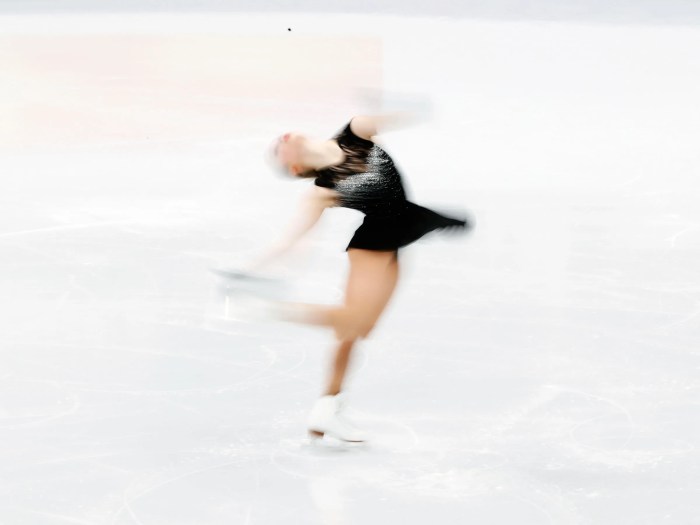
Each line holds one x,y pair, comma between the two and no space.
351,171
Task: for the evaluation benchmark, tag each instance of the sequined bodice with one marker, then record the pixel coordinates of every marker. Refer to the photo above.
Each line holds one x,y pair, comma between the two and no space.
367,180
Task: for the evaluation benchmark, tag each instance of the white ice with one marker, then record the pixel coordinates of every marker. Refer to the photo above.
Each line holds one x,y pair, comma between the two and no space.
543,370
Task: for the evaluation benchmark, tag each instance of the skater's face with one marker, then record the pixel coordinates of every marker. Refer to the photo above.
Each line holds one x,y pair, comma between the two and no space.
288,153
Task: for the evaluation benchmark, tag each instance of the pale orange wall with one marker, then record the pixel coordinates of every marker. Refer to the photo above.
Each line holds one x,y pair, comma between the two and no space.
67,90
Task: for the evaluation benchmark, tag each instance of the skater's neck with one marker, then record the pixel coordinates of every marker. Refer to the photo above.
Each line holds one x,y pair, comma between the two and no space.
319,154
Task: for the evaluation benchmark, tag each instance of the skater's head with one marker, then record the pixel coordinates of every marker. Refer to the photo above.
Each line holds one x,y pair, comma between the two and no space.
288,154
303,157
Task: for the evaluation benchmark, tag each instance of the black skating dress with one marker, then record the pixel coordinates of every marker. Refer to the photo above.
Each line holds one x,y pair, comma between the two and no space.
368,181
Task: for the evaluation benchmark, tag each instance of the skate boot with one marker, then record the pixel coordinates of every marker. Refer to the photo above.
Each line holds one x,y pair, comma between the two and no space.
326,419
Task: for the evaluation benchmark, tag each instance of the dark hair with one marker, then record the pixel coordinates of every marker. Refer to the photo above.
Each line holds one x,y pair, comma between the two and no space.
308,174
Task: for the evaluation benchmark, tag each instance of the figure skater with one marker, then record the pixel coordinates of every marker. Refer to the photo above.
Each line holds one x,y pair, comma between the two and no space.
352,171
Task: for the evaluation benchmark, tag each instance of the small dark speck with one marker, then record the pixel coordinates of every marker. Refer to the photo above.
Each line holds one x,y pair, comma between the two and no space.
289,29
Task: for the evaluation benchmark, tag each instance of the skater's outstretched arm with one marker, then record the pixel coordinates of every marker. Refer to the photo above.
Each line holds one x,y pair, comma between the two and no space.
309,212
397,111
369,126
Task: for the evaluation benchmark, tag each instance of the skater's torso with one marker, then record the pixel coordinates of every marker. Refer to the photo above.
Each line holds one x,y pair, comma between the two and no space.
367,180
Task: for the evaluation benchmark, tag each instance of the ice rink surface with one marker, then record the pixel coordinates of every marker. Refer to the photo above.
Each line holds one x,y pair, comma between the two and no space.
542,370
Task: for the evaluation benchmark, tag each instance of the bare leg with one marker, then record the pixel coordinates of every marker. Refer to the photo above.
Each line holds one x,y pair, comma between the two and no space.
339,367
371,282
384,289
369,290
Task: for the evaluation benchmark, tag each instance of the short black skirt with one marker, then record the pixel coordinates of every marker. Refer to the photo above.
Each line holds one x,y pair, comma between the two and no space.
382,233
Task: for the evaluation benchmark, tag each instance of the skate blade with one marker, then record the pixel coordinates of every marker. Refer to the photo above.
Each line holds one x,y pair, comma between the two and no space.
317,436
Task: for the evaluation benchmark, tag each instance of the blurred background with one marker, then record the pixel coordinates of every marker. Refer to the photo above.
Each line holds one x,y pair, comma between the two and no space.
542,369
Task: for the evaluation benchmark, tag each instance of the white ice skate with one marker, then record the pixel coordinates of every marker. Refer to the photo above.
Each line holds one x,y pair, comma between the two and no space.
326,419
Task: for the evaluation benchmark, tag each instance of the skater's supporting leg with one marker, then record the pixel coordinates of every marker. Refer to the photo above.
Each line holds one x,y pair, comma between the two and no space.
344,348
386,291
371,283
339,367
